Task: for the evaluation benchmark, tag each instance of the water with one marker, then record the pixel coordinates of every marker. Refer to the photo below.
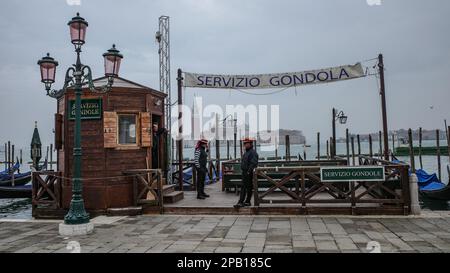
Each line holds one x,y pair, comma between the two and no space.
21,208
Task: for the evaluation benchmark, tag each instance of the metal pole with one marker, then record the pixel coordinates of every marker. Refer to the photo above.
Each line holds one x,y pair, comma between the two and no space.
333,150
180,129
77,213
217,147
347,146
383,106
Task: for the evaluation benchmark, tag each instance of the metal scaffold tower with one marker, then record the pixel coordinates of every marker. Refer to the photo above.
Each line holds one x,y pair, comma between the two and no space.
163,39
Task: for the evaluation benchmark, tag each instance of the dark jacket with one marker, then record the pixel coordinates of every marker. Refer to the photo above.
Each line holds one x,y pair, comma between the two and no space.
249,161
200,158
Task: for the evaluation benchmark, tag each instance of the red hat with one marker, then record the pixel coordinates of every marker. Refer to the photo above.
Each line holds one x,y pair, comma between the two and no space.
200,142
247,140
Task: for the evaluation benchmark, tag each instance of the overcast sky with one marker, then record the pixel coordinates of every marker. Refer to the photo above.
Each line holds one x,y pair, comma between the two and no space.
240,37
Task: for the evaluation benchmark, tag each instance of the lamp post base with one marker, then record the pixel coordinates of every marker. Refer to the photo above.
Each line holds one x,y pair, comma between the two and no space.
76,230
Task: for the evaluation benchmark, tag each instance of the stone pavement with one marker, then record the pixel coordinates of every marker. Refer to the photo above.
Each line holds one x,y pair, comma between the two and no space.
255,234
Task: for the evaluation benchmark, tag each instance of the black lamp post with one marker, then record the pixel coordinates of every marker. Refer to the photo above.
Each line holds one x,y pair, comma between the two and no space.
342,120
76,77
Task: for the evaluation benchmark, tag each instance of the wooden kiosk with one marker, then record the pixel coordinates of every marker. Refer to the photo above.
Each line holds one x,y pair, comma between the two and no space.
116,136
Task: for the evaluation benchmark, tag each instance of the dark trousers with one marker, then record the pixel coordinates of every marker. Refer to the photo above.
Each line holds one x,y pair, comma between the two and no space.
201,175
247,188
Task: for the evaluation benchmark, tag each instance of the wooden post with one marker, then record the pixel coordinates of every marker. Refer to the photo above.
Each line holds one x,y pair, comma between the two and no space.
328,150
304,153
51,156
331,148
288,148
6,156
21,162
228,150
240,145
381,146
276,149
13,182
359,144
383,105
393,144
420,148
318,146
180,129
411,151
9,154
438,154
13,155
448,141
370,146
353,150
347,144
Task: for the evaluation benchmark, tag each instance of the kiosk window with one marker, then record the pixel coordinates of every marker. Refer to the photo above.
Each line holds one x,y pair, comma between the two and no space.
127,129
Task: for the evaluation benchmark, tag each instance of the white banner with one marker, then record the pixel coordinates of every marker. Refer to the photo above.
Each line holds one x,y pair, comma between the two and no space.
282,80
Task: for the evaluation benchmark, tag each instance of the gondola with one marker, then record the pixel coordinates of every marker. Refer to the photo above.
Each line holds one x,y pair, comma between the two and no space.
19,179
430,187
15,192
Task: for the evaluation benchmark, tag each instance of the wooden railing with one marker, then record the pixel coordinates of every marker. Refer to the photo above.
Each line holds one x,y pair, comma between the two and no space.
147,181
46,190
309,189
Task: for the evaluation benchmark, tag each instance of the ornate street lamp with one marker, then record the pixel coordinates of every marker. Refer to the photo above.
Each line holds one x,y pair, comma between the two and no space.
342,120
76,77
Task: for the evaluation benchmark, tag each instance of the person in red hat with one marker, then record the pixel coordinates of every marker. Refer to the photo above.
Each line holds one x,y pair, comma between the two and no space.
249,163
200,160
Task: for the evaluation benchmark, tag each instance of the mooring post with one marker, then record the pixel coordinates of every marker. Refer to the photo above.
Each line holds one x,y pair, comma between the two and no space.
6,156
51,156
276,149
9,154
328,151
413,181
288,148
448,142
438,154
353,150
13,182
383,105
318,146
370,146
359,144
393,145
381,146
420,148
414,193
411,152
21,157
